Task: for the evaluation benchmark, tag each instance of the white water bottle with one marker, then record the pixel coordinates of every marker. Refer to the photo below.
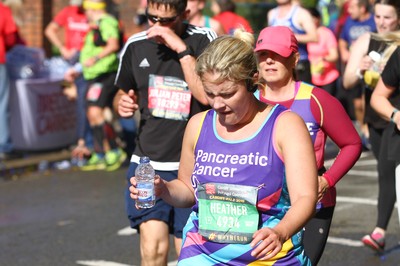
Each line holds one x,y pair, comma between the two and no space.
144,175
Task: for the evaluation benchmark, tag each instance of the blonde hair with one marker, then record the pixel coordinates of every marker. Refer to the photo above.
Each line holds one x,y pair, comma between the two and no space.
16,7
230,56
392,39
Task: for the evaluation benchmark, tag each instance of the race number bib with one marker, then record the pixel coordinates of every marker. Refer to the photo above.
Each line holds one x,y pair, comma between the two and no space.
227,212
169,97
94,92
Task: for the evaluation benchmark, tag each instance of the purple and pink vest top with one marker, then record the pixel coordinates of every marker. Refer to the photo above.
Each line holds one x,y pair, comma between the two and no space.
252,161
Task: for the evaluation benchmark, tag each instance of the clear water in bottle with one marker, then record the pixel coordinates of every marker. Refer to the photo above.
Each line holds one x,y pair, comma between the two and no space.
144,174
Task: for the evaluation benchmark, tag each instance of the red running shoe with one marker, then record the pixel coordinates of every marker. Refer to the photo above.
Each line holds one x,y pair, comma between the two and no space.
376,241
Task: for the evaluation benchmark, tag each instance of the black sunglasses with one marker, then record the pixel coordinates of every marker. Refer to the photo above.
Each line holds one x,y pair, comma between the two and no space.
162,21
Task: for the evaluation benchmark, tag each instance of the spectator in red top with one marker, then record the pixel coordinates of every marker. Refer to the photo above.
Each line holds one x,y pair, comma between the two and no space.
16,7
73,20
8,30
225,12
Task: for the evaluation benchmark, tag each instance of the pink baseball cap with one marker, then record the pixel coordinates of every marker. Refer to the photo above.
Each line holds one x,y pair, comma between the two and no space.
278,39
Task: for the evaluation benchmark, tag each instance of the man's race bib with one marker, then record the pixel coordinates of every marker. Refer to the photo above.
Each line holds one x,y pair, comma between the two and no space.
169,97
94,92
227,212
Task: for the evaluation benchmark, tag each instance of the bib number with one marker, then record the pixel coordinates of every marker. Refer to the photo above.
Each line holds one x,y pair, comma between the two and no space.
227,213
94,92
169,98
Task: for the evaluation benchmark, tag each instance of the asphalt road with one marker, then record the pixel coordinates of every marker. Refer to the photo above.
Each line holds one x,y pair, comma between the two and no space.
78,218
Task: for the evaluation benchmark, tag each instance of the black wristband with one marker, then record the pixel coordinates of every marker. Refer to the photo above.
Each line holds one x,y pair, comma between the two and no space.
186,52
393,114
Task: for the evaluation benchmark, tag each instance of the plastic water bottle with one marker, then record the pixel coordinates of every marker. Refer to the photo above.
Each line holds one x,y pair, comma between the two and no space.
371,76
144,174
376,58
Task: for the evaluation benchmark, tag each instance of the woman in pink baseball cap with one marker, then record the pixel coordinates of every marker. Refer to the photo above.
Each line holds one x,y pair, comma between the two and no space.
277,54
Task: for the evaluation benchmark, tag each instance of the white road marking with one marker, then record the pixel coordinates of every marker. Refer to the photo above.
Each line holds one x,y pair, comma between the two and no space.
365,154
111,263
100,263
345,242
343,207
363,173
127,231
329,162
357,200
366,162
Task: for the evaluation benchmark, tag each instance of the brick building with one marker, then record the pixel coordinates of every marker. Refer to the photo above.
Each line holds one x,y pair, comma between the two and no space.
36,14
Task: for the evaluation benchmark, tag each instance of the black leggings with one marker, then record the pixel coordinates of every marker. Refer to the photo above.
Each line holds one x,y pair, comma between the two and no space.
386,178
316,234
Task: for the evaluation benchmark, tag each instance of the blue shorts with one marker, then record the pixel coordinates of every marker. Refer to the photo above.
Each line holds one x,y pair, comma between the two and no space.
176,218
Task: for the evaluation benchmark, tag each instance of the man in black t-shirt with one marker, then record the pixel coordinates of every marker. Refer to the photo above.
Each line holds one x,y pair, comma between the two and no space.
157,75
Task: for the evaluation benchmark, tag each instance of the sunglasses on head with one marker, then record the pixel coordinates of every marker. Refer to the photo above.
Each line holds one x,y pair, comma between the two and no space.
162,21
